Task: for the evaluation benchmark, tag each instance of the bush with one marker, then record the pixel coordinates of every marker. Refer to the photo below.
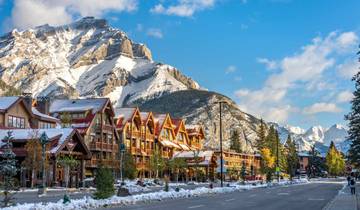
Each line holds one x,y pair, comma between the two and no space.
104,183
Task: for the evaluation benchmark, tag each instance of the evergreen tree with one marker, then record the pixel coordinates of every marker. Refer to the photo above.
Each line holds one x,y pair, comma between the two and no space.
354,121
8,169
261,142
104,180
316,163
235,142
129,169
292,158
243,171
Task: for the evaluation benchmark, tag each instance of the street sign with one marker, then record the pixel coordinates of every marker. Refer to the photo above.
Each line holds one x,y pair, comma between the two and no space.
122,147
218,169
277,169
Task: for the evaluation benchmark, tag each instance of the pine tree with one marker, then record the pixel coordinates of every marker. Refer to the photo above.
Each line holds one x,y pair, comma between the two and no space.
292,158
235,142
316,163
243,171
104,180
129,169
354,121
261,142
8,169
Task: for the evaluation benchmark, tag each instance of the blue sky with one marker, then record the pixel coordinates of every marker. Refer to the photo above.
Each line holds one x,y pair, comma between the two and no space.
288,61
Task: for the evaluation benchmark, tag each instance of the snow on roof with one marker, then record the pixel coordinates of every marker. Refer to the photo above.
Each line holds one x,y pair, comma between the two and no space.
125,113
25,134
77,105
37,113
6,102
207,155
167,143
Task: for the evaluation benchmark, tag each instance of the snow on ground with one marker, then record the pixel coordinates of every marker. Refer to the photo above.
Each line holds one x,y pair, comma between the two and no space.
88,202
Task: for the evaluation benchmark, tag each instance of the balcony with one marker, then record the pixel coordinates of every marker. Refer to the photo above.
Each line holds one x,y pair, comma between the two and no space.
136,134
149,136
102,146
98,128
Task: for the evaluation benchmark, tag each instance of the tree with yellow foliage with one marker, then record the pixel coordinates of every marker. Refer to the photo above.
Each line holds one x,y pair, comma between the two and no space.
334,161
267,163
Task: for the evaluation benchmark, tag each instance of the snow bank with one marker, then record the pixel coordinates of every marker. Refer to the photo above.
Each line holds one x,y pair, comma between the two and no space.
88,202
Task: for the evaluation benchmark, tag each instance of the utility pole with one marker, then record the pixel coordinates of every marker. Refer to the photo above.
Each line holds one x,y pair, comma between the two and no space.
277,158
221,146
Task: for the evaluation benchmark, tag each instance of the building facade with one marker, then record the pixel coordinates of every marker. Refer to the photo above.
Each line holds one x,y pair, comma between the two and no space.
93,118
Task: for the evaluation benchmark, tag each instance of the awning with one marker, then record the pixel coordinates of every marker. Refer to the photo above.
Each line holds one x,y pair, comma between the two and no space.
184,147
167,143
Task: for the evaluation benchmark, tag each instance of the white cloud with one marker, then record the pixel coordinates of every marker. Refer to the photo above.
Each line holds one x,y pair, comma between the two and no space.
183,8
348,69
344,96
270,64
321,107
154,32
230,69
30,13
304,71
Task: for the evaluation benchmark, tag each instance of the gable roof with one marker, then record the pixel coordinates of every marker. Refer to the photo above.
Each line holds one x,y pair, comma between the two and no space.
59,136
124,115
160,120
79,105
7,102
42,116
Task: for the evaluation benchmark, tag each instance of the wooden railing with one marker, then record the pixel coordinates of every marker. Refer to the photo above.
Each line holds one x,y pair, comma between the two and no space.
102,146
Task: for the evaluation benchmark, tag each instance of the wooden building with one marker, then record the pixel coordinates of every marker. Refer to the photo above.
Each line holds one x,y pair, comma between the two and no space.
93,118
196,136
234,161
62,142
181,135
17,113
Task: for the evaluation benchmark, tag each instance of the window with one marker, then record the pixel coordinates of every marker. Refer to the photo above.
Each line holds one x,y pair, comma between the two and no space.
16,122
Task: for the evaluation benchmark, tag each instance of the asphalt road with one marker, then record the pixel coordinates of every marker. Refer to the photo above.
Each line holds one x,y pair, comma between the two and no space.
297,197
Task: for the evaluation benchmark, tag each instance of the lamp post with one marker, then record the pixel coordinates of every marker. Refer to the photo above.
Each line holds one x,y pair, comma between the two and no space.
221,146
122,151
44,139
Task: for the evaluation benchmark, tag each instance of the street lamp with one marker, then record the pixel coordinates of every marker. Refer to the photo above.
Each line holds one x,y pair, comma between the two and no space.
44,139
221,146
122,151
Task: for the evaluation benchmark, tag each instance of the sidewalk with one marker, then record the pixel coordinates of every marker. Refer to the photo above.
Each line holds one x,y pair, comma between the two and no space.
344,200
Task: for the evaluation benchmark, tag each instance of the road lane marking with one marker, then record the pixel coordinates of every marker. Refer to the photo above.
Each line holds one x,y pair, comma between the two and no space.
316,199
252,195
194,207
283,193
232,199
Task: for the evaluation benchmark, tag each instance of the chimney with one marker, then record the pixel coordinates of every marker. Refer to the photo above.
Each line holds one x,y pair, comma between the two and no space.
28,99
43,104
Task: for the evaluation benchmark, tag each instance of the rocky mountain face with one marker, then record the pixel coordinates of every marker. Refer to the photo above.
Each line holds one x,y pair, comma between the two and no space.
85,58
316,135
88,58
202,107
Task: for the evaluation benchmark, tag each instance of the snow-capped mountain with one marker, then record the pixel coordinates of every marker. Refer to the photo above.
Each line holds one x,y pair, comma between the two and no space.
85,58
89,58
316,135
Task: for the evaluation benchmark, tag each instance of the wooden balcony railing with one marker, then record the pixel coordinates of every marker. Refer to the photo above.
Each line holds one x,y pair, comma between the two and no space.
98,127
102,146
